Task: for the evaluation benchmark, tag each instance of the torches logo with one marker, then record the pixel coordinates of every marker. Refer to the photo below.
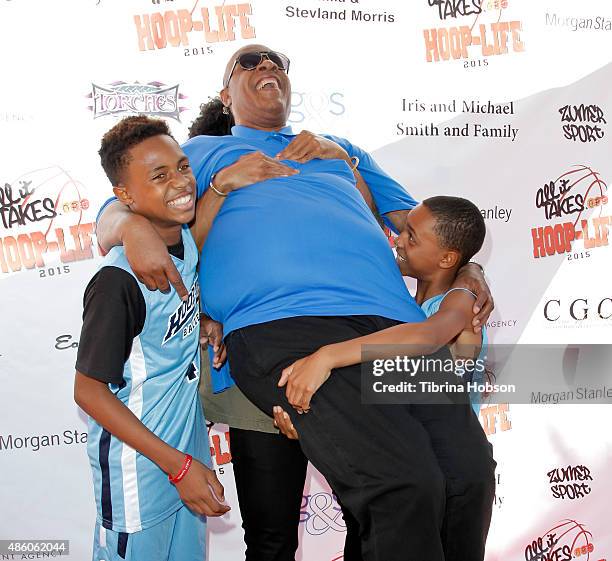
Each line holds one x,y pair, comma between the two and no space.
123,98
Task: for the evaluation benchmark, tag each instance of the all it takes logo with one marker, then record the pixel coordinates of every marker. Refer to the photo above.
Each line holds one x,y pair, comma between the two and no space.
129,98
566,540
44,218
483,34
566,200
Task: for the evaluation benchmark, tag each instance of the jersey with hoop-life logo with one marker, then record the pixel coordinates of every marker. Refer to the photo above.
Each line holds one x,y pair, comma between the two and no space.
160,386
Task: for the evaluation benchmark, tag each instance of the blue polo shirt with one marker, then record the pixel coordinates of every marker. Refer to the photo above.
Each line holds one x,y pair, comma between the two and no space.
305,245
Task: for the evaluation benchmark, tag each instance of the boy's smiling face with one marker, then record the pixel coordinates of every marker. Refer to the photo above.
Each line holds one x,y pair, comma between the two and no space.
158,182
418,251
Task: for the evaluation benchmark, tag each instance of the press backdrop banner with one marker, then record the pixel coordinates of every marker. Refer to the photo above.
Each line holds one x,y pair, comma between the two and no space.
506,102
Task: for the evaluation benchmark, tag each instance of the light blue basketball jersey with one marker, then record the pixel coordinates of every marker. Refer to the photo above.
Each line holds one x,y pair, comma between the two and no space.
160,387
430,307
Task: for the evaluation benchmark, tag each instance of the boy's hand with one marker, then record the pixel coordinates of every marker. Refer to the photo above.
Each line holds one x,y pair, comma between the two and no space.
470,276
202,492
303,378
283,423
211,333
148,256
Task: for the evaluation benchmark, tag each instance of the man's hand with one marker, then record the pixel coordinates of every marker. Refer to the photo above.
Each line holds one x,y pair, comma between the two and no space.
470,276
202,492
306,146
148,256
303,378
211,333
253,167
282,422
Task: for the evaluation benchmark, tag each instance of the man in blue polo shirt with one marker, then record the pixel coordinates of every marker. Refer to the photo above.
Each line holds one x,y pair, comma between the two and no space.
297,262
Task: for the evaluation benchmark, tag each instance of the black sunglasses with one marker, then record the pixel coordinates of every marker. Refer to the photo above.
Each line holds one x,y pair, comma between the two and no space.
250,61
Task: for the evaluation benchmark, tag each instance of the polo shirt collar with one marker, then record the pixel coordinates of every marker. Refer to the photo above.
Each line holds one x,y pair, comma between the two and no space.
247,132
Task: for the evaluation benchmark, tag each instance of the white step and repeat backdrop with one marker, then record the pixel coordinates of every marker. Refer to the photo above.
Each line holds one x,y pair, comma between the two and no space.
507,102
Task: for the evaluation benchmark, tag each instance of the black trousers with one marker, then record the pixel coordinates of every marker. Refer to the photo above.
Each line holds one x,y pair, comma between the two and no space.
270,472
419,480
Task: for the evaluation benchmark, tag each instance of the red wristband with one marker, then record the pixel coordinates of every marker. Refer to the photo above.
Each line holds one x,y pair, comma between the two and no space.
183,471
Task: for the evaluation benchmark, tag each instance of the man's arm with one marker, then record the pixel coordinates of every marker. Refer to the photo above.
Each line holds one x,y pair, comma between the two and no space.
247,170
398,219
96,399
390,198
208,207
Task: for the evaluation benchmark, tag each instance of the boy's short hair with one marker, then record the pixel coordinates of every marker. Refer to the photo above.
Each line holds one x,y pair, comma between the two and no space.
459,225
126,134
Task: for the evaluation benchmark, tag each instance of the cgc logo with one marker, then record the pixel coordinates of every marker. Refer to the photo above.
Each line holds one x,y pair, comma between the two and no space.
482,35
120,98
565,199
44,217
178,28
579,309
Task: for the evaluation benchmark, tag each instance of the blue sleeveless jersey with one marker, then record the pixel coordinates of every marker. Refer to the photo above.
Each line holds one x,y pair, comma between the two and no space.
160,387
430,307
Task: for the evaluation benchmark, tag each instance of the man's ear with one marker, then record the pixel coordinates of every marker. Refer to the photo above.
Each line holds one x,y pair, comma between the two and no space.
122,194
449,259
225,97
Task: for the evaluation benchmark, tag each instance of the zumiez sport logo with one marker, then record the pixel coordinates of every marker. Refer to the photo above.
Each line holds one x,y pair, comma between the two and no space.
130,98
583,122
476,38
570,482
184,317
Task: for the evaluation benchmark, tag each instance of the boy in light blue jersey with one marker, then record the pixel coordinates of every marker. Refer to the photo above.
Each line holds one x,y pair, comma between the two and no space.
440,236
138,368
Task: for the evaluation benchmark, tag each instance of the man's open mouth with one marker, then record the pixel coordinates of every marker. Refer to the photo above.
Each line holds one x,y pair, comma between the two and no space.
269,83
